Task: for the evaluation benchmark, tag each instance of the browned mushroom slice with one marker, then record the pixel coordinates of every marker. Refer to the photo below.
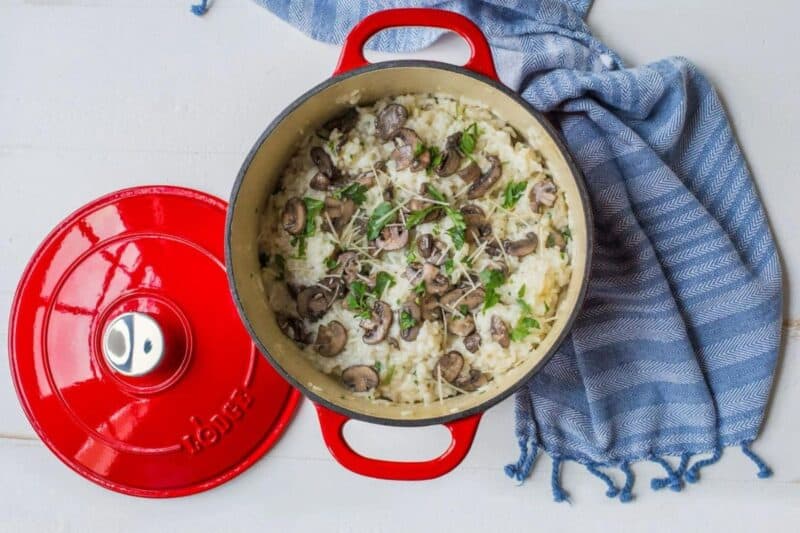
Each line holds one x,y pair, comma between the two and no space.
451,297
425,245
360,378
439,255
478,228
435,282
323,161
388,193
392,237
492,249
473,298
482,185
390,119
344,123
499,331
415,312
377,327
543,193
556,238
312,302
331,339
348,266
413,273
408,137
293,218
470,172
461,326
421,161
292,328
472,381
472,342
320,182
367,179
449,163
339,212
403,157
430,307
521,247
449,366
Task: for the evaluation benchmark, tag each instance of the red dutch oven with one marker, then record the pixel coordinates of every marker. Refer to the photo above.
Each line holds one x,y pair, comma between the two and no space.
355,77
130,357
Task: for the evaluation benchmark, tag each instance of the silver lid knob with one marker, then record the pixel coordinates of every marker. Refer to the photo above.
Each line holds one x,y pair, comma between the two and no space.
133,344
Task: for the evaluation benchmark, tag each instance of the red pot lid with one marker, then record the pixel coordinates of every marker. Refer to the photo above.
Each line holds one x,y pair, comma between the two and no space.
127,352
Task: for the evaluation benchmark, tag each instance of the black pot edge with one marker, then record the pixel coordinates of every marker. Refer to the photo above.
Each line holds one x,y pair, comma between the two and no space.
480,408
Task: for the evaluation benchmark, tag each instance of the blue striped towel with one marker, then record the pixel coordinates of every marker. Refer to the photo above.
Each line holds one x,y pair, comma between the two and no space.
674,351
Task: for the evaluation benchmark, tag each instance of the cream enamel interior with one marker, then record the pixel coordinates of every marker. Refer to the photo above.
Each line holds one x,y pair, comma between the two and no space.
263,173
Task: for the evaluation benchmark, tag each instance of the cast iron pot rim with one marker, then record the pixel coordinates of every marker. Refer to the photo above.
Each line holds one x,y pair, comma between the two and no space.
497,398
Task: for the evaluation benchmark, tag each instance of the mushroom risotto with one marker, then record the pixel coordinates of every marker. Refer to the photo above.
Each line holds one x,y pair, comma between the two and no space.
416,248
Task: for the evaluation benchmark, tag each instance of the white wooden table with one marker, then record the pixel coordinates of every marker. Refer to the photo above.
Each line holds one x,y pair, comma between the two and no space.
96,95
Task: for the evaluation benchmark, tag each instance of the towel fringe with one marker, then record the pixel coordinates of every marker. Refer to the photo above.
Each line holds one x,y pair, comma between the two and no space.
672,480
559,494
626,494
612,489
692,475
201,8
528,450
764,471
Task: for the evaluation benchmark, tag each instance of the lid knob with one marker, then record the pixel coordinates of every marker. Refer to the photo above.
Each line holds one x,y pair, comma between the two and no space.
133,344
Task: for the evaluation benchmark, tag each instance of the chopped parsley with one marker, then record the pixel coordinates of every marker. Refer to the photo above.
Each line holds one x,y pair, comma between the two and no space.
436,159
567,234
411,256
523,328
463,309
355,192
383,214
449,266
417,217
491,279
420,288
513,193
469,139
406,320
526,308
546,308
383,281
357,299
551,241
419,148
378,367
331,263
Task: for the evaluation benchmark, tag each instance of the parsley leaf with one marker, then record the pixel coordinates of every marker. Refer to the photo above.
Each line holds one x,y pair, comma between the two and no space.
383,214
458,235
383,281
449,266
313,208
521,292
436,159
463,309
420,288
331,263
567,234
513,193
435,193
411,256
418,149
523,328
406,320
417,217
357,297
355,192
469,138
491,279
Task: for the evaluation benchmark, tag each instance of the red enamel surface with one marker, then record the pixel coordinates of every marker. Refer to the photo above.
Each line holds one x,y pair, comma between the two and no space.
352,56
462,432
210,409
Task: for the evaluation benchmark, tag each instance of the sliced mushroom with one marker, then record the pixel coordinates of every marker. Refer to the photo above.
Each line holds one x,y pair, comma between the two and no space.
449,366
461,326
323,162
367,179
472,381
390,119
543,193
403,157
413,273
474,298
421,161
451,297
472,342
312,302
470,172
557,239
439,255
292,328
320,182
377,327
492,249
388,193
331,339
348,266
521,247
339,212
391,341
425,245
449,163
482,185
392,237
499,331
410,334
360,378
435,281
430,307
293,218
344,123
478,228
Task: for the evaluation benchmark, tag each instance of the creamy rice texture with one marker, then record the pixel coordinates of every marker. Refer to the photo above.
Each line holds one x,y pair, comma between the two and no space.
528,286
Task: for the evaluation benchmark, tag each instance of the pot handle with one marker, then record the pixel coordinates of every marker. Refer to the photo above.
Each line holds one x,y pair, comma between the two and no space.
462,432
480,58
